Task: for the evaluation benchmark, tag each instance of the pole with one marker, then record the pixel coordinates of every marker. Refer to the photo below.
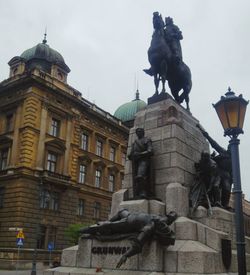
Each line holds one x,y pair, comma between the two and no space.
17,262
239,219
50,258
33,270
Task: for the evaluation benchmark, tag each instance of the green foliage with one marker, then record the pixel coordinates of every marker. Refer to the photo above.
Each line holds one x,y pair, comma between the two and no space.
72,232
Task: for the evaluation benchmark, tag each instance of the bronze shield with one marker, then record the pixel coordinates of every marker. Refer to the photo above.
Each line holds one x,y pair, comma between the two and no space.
226,252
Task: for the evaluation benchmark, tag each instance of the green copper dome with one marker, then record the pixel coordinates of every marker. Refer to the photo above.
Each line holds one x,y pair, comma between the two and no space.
127,111
43,52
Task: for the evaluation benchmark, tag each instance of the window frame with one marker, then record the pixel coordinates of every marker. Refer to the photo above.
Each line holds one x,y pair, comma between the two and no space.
41,237
4,153
99,147
82,173
55,127
52,163
52,234
97,210
98,178
49,200
81,207
84,141
112,153
111,182
9,122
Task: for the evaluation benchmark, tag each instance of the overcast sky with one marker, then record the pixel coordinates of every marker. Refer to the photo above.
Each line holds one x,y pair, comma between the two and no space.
105,42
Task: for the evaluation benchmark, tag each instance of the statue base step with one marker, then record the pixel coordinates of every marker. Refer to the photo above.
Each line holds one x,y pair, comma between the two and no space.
93,271
197,250
158,97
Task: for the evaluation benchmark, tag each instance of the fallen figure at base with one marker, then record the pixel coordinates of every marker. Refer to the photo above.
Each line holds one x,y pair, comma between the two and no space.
139,228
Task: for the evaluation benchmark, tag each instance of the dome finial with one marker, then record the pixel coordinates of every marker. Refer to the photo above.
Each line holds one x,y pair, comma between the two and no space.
45,34
137,95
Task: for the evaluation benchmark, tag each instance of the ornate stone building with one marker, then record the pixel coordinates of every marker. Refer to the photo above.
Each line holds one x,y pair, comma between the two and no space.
61,157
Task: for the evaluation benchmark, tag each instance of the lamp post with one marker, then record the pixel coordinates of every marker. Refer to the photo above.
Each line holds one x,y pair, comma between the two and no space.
231,112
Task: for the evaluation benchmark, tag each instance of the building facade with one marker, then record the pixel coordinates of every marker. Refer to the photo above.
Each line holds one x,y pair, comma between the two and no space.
61,157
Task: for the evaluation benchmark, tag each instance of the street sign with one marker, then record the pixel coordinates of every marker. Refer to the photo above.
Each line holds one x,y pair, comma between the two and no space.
19,242
20,234
50,246
19,238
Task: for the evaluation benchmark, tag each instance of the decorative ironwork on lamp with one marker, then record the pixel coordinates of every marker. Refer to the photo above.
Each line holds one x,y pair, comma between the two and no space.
231,112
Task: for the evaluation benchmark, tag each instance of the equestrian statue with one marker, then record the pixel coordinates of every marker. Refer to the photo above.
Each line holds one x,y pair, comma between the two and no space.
165,58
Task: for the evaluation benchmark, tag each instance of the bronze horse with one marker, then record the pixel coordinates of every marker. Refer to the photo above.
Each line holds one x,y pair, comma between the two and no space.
166,64
159,54
179,78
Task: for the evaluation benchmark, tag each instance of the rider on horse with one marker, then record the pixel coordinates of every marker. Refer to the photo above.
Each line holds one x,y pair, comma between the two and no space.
165,58
173,35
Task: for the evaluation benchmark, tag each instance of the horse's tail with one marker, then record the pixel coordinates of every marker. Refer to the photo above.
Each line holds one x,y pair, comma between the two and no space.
149,71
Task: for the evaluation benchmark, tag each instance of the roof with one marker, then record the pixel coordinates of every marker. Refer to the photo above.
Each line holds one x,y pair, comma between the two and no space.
43,51
127,111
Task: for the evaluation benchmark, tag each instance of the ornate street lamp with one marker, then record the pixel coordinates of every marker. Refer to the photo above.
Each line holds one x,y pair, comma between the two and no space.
231,112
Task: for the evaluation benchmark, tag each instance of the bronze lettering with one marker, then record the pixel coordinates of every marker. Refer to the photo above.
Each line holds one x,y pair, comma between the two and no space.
109,250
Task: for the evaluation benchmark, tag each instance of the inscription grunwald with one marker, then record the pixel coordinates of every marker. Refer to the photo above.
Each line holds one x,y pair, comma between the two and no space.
117,250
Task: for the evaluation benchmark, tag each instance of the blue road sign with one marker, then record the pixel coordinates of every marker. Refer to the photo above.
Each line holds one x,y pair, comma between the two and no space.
50,246
19,241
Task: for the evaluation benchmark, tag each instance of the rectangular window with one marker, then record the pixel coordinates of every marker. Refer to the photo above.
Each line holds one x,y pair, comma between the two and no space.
2,191
111,183
44,199
54,202
123,158
97,210
41,236
80,209
112,153
49,200
3,158
55,127
82,173
98,176
99,148
84,143
51,162
52,236
9,126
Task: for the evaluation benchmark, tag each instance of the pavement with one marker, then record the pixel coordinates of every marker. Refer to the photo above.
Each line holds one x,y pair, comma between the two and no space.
19,272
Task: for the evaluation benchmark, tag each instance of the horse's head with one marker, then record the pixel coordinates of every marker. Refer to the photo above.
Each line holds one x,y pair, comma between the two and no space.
158,23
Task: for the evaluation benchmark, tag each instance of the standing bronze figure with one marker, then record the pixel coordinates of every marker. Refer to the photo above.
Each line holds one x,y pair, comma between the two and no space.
140,155
224,166
165,58
206,190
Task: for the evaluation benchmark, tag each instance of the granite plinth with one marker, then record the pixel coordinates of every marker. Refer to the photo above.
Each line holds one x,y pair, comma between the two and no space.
177,145
93,254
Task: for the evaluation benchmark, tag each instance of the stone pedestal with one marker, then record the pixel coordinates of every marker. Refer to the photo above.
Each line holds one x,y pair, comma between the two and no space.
94,254
177,145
